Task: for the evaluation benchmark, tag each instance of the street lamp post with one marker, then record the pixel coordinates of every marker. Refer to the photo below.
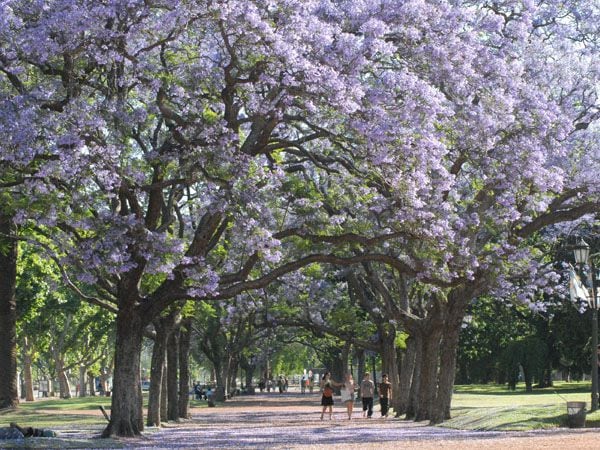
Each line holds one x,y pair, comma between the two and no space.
582,257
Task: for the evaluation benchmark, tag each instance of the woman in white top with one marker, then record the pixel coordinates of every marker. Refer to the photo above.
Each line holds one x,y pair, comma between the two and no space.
347,392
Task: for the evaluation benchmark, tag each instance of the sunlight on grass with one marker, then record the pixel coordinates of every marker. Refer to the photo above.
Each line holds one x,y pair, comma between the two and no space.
48,413
86,403
493,407
74,412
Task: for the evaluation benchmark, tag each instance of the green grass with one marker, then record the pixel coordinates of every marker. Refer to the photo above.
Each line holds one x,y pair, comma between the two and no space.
493,407
49,413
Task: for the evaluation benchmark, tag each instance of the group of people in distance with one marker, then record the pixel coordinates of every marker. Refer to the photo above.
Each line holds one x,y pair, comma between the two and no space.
367,392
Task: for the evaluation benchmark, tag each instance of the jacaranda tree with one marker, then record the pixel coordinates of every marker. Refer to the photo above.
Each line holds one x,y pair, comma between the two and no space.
477,131
161,127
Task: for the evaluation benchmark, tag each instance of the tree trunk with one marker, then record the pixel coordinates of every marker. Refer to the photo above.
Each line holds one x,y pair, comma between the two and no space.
156,375
104,374
249,369
389,363
164,401
21,385
52,385
184,369
431,337
345,358
126,418
337,361
64,387
339,364
27,371
415,385
63,381
221,376
360,357
82,383
172,377
528,378
158,395
428,373
58,350
401,400
232,369
451,334
9,391
91,384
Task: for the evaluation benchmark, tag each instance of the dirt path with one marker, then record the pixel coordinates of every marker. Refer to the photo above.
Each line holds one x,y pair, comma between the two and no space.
291,421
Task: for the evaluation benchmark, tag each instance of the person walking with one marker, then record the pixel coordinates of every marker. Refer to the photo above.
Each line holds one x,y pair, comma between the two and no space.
347,392
198,391
327,385
385,395
367,391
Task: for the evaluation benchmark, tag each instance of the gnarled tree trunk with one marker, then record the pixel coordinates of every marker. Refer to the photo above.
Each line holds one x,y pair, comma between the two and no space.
431,339
450,337
126,418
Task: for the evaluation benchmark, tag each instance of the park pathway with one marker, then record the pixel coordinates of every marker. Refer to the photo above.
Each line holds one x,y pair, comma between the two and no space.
291,421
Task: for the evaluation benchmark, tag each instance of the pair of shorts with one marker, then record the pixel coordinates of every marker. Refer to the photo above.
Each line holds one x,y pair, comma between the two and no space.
326,401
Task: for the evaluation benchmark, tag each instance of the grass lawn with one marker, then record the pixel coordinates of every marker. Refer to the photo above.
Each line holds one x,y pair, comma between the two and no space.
48,413
75,413
493,407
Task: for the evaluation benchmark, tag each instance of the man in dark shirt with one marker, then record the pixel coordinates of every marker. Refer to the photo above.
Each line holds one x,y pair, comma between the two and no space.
385,395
